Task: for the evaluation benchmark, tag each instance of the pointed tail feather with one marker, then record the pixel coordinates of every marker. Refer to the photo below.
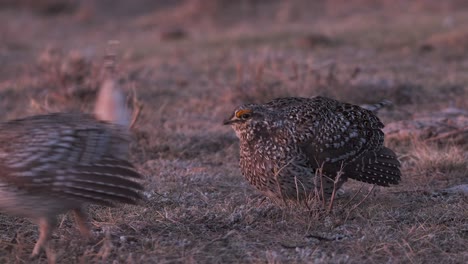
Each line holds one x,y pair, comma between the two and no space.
110,104
376,107
378,167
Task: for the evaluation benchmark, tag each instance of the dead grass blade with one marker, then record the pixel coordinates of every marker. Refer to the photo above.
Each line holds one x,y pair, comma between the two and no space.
448,134
335,188
137,107
360,202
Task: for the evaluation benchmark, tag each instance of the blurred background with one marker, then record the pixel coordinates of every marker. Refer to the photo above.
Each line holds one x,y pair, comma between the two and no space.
219,52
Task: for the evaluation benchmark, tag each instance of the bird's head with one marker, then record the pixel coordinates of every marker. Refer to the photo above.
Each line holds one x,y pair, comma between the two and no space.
250,121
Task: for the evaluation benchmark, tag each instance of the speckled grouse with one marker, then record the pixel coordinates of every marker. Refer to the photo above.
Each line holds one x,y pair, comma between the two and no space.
286,143
53,163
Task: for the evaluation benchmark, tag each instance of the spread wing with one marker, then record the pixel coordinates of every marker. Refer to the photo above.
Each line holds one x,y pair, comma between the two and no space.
70,155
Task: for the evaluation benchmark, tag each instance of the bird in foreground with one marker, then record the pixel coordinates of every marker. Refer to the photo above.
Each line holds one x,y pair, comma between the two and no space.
55,163
286,144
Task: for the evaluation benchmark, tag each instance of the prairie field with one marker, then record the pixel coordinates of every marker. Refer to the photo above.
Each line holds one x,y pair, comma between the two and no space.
186,65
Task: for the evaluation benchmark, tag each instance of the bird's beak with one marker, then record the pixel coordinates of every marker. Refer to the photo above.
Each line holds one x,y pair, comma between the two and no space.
228,122
231,120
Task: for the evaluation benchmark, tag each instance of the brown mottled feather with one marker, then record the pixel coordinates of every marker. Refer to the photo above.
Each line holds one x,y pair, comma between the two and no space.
284,142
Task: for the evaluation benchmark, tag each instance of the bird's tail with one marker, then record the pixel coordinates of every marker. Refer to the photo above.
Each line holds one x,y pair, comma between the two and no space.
378,167
111,101
376,107
111,104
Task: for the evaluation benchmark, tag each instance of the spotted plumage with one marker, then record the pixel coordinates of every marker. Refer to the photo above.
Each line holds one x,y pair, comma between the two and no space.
286,143
50,164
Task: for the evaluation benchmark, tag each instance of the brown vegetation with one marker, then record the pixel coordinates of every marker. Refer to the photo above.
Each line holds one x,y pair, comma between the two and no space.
199,209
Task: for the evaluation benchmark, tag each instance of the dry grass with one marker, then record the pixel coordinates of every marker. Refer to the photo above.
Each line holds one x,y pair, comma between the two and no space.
435,166
199,209
445,159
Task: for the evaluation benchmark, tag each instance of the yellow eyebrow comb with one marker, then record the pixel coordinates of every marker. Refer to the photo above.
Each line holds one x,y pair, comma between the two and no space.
243,111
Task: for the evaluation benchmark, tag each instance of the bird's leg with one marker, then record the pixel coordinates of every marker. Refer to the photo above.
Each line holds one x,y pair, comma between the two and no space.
81,220
46,227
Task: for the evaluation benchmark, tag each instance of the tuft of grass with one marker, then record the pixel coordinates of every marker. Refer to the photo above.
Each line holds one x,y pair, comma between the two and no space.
431,166
433,158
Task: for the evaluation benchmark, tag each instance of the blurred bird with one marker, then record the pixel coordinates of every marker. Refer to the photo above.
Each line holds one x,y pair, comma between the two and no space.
54,163
287,143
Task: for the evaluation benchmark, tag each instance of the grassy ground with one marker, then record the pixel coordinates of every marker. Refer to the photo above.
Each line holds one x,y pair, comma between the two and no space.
190,65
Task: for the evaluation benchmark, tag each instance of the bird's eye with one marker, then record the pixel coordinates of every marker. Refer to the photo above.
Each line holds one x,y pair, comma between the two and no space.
245,116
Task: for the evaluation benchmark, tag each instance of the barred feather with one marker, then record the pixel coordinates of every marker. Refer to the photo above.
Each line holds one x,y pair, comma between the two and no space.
377,106
70,154
53,163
